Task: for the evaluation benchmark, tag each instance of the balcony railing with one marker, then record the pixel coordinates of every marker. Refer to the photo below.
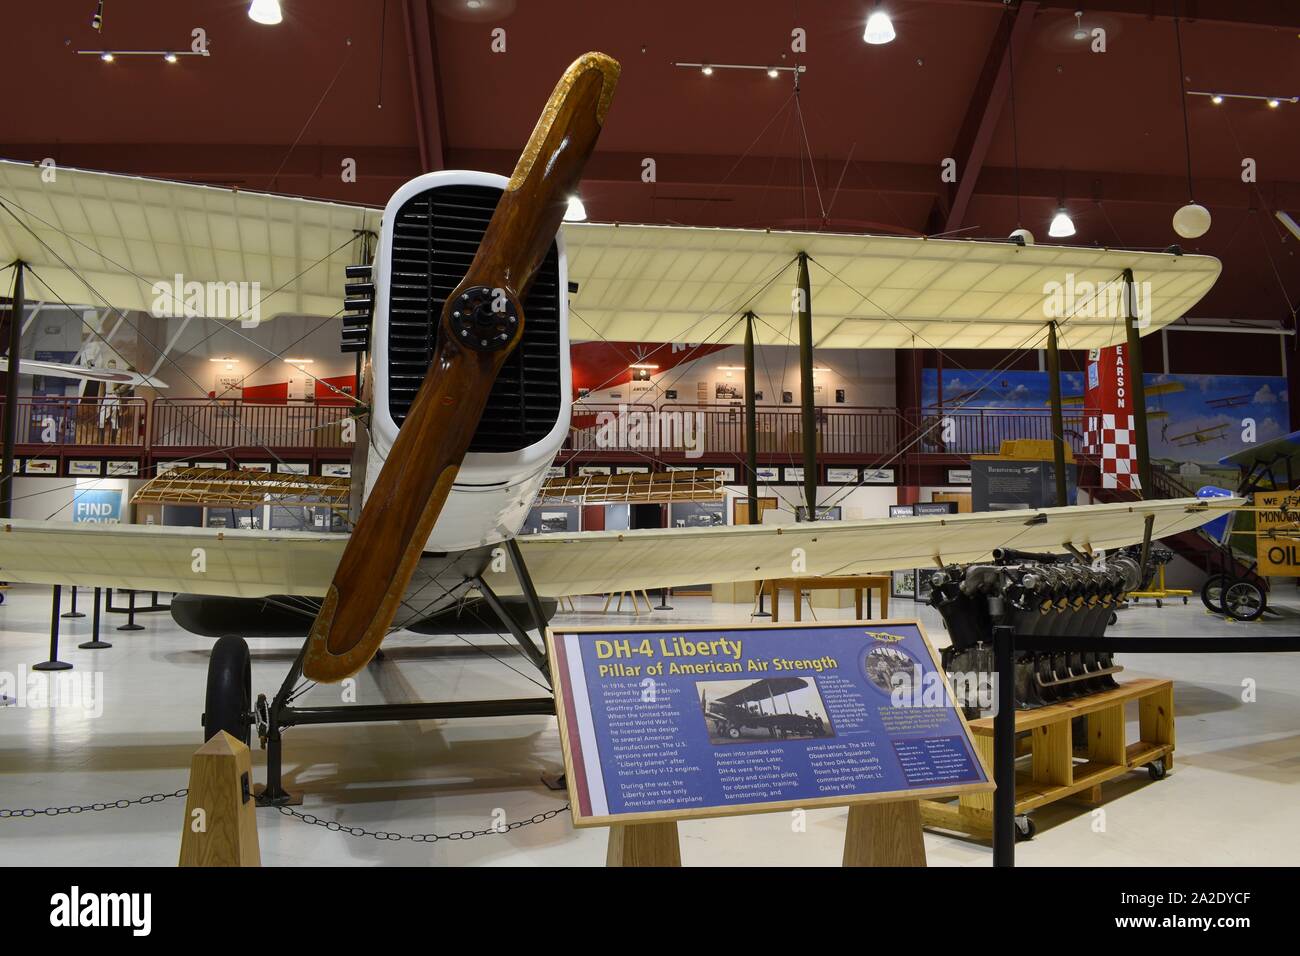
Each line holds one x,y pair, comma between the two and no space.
233,423
857,432
181,428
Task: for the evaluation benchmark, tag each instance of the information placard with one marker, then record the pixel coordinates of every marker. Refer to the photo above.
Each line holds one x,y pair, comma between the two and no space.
666,723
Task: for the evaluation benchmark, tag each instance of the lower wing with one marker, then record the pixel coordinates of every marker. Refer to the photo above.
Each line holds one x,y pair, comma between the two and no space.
602,561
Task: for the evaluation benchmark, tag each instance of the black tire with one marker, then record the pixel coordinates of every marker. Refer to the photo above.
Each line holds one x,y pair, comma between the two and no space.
1026,829
1243,600
1157,770
228,705
1212,592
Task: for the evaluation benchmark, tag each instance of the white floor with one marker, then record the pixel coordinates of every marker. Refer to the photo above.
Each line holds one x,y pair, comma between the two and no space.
1231,800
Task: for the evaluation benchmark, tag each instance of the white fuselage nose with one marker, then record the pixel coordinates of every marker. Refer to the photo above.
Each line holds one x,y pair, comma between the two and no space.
493,491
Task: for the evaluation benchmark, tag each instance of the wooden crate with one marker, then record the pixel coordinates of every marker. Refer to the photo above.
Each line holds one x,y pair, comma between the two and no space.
1056,770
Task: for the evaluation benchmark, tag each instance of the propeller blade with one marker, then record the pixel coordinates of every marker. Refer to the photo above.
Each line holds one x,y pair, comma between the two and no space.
481,324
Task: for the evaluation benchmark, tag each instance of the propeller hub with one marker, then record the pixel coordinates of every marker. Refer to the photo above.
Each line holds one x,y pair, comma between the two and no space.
484,319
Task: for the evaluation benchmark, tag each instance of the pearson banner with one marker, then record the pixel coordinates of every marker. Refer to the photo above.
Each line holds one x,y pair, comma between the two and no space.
685,722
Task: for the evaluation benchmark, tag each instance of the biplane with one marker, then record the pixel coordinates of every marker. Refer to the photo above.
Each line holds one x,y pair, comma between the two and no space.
755,707
1200,436
465,313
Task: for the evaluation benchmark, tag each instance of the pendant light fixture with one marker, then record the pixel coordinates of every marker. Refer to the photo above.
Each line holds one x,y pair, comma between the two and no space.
1192,220
880,29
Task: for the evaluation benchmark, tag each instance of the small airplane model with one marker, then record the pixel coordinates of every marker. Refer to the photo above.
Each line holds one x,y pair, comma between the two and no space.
465,315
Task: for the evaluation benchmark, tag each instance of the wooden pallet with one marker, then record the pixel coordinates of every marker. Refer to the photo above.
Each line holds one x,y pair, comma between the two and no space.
1056,769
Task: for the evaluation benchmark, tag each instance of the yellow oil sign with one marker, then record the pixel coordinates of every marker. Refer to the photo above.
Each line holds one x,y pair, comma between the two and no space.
1277,528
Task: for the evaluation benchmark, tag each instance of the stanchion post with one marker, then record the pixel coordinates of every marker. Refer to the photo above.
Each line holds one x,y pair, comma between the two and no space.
54,664
1004,749
74,612
130,624
95,644
663,600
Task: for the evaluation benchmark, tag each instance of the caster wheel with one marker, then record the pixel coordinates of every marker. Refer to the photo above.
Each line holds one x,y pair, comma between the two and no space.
1157,769
229,701
1184,599
1114,618
1026,829
1160,603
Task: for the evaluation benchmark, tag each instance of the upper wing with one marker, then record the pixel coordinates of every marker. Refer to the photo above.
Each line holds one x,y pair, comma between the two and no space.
130,237
233,563
867,291
601,561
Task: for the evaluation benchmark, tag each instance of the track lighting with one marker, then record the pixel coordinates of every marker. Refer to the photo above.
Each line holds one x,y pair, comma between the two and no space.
706,70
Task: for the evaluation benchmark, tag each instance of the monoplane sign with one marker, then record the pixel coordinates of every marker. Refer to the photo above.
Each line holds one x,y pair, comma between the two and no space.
1277,526
665,723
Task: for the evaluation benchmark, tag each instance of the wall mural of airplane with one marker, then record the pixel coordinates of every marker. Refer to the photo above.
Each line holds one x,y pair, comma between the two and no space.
466,394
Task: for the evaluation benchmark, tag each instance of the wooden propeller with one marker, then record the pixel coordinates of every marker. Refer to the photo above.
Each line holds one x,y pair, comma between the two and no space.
482,322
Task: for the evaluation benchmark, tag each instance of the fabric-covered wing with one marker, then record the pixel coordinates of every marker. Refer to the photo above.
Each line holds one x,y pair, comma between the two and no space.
602,561
153,558
680,284
124,233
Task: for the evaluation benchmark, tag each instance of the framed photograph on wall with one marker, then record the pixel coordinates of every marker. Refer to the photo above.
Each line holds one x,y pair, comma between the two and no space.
902,584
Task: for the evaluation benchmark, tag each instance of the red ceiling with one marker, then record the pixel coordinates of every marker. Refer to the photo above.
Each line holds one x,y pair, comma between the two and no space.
1104,129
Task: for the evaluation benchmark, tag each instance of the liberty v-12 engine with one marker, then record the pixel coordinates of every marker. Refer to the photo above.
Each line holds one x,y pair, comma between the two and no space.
1041,595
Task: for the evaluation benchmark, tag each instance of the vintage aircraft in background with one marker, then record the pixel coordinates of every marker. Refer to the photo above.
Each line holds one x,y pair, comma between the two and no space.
465,314
1201,436
755,706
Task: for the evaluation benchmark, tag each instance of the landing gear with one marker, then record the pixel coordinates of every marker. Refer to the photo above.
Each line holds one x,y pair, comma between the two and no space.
1212,592
229,702
1243,600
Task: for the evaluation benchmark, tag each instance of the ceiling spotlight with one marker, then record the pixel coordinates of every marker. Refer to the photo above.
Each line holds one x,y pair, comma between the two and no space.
266,12
1216,99
1062,225
1079,32
474,4
169,57
576,212
773,72
706,70
97,21
106,57
1274,103
880,29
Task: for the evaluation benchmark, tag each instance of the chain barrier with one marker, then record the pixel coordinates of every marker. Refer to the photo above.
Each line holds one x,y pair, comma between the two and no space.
6,814
309,818
387,836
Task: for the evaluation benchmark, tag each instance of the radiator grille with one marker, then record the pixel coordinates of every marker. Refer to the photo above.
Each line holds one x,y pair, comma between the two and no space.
435,236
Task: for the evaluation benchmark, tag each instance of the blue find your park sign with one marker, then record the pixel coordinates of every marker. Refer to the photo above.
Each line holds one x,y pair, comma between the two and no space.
97,506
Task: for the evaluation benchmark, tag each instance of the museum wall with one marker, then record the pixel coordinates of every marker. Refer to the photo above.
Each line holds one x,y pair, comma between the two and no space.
863,376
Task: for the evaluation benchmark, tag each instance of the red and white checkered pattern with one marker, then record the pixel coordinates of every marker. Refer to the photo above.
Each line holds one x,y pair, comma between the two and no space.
1116,442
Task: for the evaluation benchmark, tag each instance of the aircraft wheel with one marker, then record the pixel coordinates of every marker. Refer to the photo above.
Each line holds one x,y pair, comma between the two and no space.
1212,592
229,702
733,732
1243,601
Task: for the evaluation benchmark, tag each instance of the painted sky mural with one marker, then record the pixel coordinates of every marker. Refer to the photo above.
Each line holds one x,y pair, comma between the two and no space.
1192,420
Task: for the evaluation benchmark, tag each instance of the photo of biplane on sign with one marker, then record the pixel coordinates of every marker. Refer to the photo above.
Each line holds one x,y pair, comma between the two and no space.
782,708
